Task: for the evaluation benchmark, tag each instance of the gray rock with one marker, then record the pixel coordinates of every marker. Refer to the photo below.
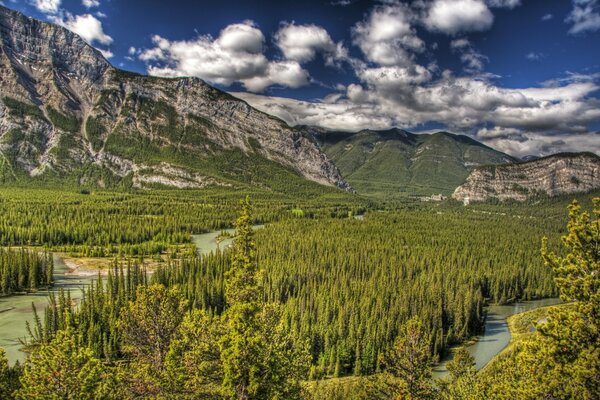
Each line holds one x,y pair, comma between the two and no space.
47,67
552,176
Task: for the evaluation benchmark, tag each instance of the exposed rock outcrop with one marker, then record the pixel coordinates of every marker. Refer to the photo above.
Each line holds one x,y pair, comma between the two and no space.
551,176
64,109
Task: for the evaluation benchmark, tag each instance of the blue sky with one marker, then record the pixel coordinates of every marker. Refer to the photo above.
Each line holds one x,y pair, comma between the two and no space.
520,75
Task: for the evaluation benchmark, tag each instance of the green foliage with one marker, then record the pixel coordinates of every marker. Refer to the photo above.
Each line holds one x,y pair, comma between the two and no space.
140,223
65,122
338,280
411,362
149,322
22,110
562,359
62,369
95,131
462,363
24,270
193,364
260,359
9,377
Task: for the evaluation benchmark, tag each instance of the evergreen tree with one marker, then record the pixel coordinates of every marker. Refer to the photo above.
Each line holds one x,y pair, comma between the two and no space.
462,363
410,361
562,359
260,359
62,369
149,323
9,377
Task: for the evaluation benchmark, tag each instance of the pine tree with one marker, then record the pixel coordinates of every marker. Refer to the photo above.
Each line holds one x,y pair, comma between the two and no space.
62,369
260,359
149,323
411,362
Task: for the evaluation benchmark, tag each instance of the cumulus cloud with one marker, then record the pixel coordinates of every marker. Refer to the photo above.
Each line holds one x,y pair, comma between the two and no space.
547,17
47,6
407,100
106,53
236,55
454,16
387,37
90,3
87,26
302,43
473,60
584,17
542,145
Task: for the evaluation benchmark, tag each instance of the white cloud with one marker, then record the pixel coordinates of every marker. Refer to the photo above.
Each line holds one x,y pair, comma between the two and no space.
87,26
584,17
473,60
106,53
90,3
302,43
407,100
533,56
547,17
47,6
504,3
387,37
132,51
542,145
236,55
499,132
454,16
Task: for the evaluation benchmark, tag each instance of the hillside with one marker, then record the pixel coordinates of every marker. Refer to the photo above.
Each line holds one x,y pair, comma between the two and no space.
396,162
554,175
67,115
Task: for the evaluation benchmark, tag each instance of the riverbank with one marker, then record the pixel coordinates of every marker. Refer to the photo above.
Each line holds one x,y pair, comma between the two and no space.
521,327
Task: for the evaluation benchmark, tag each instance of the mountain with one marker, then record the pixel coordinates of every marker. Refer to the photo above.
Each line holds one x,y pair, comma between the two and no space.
554,175
396,162
66,114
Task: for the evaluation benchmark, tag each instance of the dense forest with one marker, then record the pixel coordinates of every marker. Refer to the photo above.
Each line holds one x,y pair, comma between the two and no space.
347,284
24,270
319,297
103,223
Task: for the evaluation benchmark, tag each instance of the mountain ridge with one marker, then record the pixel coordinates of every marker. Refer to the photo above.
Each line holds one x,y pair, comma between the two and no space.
553,175
65,110
397,162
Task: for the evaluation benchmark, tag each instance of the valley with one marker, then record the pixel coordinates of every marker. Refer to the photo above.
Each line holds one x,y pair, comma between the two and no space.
161,238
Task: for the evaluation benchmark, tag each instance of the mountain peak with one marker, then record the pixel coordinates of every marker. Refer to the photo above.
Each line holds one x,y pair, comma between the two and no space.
65,111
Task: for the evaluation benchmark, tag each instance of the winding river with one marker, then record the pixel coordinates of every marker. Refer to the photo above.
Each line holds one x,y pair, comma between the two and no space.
16,310
497,334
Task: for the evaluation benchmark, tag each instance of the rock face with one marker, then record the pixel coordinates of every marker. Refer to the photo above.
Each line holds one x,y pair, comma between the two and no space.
65,111
552,176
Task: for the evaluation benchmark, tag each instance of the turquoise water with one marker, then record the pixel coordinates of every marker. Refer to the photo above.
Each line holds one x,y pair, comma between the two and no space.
16,310
497,335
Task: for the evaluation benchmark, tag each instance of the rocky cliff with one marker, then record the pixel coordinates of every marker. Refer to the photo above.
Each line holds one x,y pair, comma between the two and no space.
552,176
65,111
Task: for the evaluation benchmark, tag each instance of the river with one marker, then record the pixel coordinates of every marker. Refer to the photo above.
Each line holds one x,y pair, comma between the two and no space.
16,310
497,334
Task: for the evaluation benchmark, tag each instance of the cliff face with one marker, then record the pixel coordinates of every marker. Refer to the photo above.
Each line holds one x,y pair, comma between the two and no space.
65,110
551,176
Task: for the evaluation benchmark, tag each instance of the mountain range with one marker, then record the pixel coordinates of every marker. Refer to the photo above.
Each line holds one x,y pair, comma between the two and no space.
68,115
